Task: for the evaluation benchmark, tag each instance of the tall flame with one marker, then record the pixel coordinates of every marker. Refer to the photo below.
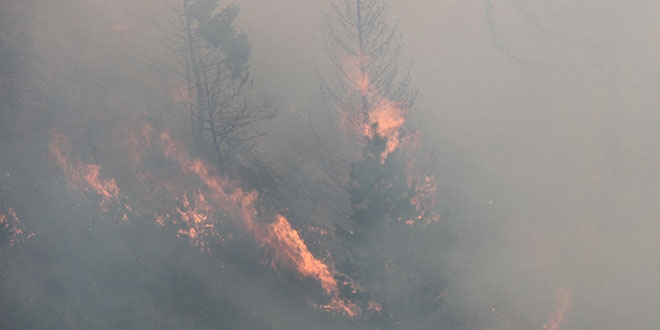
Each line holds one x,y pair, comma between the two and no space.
385,120
279,237
83,177
289,247
382,117
200,207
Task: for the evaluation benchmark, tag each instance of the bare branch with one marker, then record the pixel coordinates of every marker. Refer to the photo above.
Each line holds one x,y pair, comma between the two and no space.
215,58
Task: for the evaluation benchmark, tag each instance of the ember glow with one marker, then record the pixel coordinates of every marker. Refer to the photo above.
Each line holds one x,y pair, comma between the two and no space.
426,192
562,304
83,177
11,224
197,219
289,247
385,121
382,118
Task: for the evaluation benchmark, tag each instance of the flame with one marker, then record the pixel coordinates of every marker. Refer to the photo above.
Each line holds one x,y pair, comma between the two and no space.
289,247
426,191
10,222
279,237
562,304
383,117
160,221
197,219
374,306
385,121
343,306
199,209
83,177
227,194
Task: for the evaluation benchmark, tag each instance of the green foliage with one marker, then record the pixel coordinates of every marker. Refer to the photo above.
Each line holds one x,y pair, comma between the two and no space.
219,32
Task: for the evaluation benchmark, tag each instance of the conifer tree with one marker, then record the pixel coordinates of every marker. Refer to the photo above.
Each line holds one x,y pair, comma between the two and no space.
389,204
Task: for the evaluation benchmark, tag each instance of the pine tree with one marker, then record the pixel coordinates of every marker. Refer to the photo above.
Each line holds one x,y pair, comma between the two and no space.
385,235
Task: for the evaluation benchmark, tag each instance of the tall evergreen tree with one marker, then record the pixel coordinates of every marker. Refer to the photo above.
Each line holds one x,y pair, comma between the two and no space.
385,236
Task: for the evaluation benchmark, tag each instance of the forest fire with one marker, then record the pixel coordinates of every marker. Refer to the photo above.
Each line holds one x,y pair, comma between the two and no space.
162,178
11,225
199,207
83,177
426,192
375,115
289,247
385,121
284,242
196,217
180,173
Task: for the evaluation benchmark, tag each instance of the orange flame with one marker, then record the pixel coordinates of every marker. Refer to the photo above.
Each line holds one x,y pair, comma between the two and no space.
196,217
383,117
374,306
81,176
562,304
197,210
279,237
289,247
385,120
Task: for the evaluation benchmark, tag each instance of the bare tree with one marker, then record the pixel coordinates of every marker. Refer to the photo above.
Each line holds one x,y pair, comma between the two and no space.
216,70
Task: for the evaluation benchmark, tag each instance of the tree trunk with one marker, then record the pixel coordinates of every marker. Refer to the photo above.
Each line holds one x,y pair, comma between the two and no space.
196,111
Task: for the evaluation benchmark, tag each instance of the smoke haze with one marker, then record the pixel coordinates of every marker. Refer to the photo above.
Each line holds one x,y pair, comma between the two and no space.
543,115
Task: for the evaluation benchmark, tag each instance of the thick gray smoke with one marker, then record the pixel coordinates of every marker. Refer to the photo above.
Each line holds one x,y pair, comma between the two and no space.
543,114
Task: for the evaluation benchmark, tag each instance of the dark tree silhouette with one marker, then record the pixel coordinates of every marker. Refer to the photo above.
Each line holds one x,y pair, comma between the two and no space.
216,70
386,238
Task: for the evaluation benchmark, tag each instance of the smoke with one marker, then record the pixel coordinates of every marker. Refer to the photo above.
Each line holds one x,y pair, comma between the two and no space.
543,114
